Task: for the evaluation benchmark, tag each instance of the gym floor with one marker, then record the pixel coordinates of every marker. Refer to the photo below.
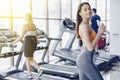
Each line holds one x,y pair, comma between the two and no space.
112,74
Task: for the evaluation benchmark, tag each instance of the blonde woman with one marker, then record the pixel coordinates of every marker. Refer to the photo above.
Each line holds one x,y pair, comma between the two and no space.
29,37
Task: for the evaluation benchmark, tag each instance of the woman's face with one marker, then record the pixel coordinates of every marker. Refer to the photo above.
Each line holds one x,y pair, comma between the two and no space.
85,11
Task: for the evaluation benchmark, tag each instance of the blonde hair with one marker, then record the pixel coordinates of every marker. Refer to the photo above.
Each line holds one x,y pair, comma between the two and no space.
28,17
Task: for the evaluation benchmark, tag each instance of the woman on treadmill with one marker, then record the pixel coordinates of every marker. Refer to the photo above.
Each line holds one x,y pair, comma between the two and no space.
87,69
29,37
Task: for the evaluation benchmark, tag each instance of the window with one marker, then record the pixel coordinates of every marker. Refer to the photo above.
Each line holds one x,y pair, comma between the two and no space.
18,24
54,28
66,9
92,3
75,4
5,8
47,14
39,8
20,7
41,24
54,9
46,10
101,9
4,23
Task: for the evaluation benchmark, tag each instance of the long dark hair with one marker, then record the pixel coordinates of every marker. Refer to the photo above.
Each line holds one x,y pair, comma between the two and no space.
79,18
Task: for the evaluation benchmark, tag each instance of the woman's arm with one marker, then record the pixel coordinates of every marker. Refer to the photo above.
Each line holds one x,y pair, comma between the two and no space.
21,36
84,31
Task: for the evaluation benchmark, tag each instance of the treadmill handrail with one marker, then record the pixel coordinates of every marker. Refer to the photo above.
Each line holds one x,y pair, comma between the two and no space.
54,39
47,69
9,54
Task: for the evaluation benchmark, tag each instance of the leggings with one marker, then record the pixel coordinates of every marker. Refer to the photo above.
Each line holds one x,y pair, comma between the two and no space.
87,69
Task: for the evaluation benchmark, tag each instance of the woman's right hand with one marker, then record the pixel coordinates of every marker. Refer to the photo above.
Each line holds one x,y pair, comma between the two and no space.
101,29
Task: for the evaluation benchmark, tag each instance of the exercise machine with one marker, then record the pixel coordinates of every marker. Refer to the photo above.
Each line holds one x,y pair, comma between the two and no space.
22,75
66,53
6,37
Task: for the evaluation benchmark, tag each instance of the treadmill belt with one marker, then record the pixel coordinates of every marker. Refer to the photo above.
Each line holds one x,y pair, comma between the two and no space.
60,70
110,58
60,67
23,76
100,64
69,71
66,54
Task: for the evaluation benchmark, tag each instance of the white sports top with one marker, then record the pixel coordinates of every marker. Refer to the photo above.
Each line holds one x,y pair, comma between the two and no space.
30,33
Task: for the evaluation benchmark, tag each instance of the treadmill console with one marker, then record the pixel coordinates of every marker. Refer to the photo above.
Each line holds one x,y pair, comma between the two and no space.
8,36
69,23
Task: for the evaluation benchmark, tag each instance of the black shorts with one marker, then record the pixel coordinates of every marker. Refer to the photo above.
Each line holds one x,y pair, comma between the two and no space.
29,45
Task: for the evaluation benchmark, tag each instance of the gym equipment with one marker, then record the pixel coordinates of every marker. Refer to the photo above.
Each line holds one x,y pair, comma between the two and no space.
67,71
45,48
43,77
8,36
110,59
23,76
8,54
69,24
1,77
70,72
66,54
14,69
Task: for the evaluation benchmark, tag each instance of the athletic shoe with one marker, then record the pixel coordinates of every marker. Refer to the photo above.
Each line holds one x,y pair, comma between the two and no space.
29,77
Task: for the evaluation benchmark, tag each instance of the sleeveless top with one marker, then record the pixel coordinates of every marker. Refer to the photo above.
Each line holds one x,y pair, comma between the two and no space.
92,35
30,33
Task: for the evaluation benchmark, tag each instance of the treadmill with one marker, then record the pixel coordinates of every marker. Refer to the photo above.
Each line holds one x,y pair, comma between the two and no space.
66,71
71,55
23,75
67,54
13,69
8,36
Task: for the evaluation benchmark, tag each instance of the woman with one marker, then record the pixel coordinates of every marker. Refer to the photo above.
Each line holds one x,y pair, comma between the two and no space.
29,34
87,69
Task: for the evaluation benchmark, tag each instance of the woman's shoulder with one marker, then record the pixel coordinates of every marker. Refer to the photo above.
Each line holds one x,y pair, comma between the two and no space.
83,26
30,25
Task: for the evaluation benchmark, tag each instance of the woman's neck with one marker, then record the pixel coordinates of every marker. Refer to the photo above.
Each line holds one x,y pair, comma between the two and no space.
29,22
85,21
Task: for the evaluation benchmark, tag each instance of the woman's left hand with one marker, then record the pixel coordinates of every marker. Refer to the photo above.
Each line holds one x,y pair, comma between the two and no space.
9,44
